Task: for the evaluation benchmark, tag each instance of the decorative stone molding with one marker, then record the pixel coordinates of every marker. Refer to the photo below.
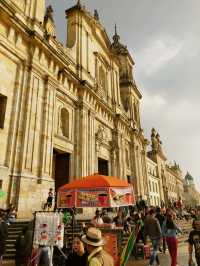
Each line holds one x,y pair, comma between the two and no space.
100,137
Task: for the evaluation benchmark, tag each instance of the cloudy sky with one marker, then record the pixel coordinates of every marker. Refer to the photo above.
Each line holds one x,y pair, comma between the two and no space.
164,40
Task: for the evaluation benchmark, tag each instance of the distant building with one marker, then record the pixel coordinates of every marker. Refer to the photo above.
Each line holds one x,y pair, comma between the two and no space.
167,178
191,194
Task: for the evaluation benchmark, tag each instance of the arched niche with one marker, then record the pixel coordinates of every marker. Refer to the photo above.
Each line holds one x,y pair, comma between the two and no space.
64,122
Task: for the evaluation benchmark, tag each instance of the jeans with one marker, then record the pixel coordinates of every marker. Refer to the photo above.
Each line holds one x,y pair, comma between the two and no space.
44,258
172,244
164,244
154,255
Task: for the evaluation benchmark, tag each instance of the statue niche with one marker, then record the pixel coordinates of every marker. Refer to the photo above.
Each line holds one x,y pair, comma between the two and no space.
64,122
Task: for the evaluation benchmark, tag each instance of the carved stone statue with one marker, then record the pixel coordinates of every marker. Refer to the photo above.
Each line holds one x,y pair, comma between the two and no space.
154,141
49,13
99,137
159,142
100,132
49,22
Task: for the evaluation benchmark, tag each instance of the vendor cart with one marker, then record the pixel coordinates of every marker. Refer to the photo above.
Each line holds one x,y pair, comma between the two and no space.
99,191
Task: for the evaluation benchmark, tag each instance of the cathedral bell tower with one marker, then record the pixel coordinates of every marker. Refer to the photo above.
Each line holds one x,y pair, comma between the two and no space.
130,95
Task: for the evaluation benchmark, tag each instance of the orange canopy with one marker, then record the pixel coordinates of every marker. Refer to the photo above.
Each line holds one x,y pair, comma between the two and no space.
94,181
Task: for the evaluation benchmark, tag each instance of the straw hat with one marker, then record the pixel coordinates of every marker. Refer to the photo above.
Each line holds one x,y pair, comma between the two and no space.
93,237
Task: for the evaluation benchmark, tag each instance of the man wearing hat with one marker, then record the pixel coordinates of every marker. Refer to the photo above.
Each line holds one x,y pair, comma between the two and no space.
94,245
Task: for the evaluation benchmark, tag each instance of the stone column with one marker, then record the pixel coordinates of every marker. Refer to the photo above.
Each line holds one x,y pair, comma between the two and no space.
14,142
91,143
139,171
144,173
123,160
114,154
82,140
46,154
134,166
119,154
32,129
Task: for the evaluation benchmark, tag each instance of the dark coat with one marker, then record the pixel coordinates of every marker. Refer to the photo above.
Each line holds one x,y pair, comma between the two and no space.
3,237
152,228
23,246
76,260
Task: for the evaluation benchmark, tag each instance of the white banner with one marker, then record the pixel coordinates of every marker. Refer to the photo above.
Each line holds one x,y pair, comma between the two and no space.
121,196
49,229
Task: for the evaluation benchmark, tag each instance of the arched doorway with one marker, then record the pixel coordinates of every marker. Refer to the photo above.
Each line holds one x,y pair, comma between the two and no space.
61,168
103,167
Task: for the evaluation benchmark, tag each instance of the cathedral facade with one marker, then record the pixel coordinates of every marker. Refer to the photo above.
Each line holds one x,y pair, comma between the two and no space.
65,111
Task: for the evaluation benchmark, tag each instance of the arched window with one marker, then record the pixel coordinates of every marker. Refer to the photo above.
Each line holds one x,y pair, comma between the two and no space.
64,122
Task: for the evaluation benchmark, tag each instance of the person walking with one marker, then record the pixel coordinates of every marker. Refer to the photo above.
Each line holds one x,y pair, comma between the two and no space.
23,246
3,236
194,240
170,230
44,258
161,218
153,230
11,214
94,245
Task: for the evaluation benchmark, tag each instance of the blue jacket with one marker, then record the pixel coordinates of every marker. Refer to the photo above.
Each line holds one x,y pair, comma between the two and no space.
170,232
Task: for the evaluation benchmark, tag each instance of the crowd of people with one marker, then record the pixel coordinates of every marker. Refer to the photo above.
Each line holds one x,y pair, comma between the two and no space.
158,224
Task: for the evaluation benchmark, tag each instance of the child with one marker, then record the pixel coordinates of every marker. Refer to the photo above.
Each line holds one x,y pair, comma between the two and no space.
49,200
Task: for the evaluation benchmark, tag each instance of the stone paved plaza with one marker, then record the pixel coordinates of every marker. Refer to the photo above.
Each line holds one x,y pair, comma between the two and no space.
165,259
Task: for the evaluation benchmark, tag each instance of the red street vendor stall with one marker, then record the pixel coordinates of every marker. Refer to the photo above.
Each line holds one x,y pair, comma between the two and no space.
99,191
95,191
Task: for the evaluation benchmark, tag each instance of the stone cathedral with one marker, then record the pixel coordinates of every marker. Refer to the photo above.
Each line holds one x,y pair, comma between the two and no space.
66,111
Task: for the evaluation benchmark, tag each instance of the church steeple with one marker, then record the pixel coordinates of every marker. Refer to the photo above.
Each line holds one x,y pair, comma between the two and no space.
116,37
96,14
116,46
